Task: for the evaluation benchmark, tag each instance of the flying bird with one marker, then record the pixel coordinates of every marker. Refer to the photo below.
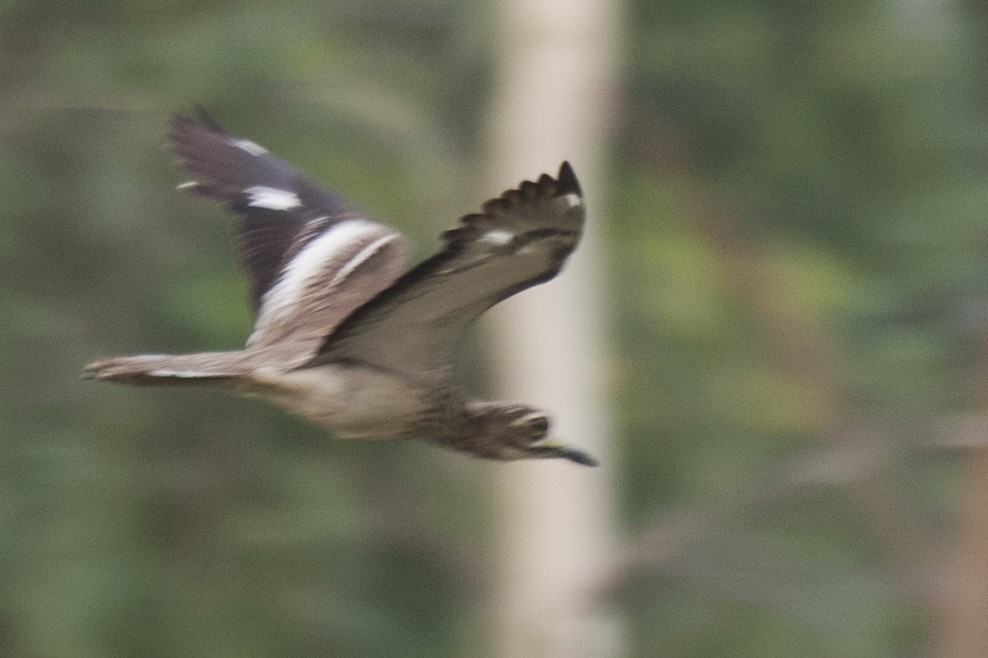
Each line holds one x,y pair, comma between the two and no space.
344,334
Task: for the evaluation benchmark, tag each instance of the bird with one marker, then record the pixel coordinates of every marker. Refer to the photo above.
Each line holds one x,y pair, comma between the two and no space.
346,335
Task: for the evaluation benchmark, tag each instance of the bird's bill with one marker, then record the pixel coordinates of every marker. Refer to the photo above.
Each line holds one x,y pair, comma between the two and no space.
556,450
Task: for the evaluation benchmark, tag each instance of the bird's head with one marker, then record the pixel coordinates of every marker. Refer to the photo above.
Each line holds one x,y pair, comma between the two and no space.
514,431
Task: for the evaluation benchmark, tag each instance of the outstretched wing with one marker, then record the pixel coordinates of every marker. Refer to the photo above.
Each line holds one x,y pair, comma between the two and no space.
520,239
310,258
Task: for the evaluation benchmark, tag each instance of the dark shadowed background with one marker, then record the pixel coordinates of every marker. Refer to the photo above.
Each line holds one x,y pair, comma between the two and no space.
791,204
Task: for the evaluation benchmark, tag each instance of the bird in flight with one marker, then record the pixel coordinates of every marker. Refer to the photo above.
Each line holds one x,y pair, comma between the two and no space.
344,334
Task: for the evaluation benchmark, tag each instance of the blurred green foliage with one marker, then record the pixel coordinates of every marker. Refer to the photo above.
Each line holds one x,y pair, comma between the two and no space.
795,215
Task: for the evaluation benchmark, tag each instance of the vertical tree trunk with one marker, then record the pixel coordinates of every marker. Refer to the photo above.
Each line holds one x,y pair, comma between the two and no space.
553,103
963,594
964,589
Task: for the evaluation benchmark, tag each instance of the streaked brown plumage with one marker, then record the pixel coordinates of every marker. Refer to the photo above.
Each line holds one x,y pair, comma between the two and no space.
344,335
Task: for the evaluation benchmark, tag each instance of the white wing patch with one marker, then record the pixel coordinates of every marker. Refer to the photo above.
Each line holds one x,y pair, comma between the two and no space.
497,237
573,200
249,146
262,196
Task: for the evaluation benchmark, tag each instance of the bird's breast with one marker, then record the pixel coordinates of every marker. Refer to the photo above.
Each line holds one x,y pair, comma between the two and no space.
352,400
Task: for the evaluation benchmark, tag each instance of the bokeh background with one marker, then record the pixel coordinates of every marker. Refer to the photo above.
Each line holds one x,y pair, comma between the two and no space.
789,200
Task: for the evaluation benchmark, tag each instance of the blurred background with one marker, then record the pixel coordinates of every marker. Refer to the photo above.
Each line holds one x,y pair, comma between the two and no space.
785,290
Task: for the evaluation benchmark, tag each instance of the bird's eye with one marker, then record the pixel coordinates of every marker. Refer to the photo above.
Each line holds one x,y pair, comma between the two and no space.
532,427
538,426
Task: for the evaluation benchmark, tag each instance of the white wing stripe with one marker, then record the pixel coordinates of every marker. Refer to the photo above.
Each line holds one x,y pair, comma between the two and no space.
362,256
282,298
249,146
184,374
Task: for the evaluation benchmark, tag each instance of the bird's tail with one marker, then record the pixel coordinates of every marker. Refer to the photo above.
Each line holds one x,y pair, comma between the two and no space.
204,369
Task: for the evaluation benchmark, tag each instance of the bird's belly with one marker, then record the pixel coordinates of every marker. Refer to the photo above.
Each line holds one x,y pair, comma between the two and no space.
353,401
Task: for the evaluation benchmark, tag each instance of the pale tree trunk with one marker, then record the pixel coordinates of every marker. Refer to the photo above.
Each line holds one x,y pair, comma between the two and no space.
552,102
963,586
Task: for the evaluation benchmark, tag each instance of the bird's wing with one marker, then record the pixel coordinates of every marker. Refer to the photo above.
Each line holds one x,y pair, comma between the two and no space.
519,240
310,258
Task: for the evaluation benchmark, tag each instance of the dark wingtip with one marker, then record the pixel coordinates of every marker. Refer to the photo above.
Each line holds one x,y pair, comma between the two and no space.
178,124
567,180
201,117
184,130
208,119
